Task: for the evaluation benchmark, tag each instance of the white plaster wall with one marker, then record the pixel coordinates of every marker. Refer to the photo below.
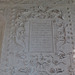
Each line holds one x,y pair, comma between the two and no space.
19,54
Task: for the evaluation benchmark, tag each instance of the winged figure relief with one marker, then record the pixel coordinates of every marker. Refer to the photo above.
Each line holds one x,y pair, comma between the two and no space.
20,37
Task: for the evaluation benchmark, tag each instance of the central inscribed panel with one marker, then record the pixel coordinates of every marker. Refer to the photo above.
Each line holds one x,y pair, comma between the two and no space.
40,36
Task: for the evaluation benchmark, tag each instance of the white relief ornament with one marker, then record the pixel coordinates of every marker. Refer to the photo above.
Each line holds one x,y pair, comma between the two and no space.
59,70
39,63
52,70
61,55
26,70
17,1
20,37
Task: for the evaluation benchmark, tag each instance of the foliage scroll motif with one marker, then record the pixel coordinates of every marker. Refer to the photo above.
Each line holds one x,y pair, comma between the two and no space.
53,2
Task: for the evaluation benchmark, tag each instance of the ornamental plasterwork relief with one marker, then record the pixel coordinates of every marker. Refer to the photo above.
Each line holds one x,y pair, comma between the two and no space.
50,1
18,60
38,1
